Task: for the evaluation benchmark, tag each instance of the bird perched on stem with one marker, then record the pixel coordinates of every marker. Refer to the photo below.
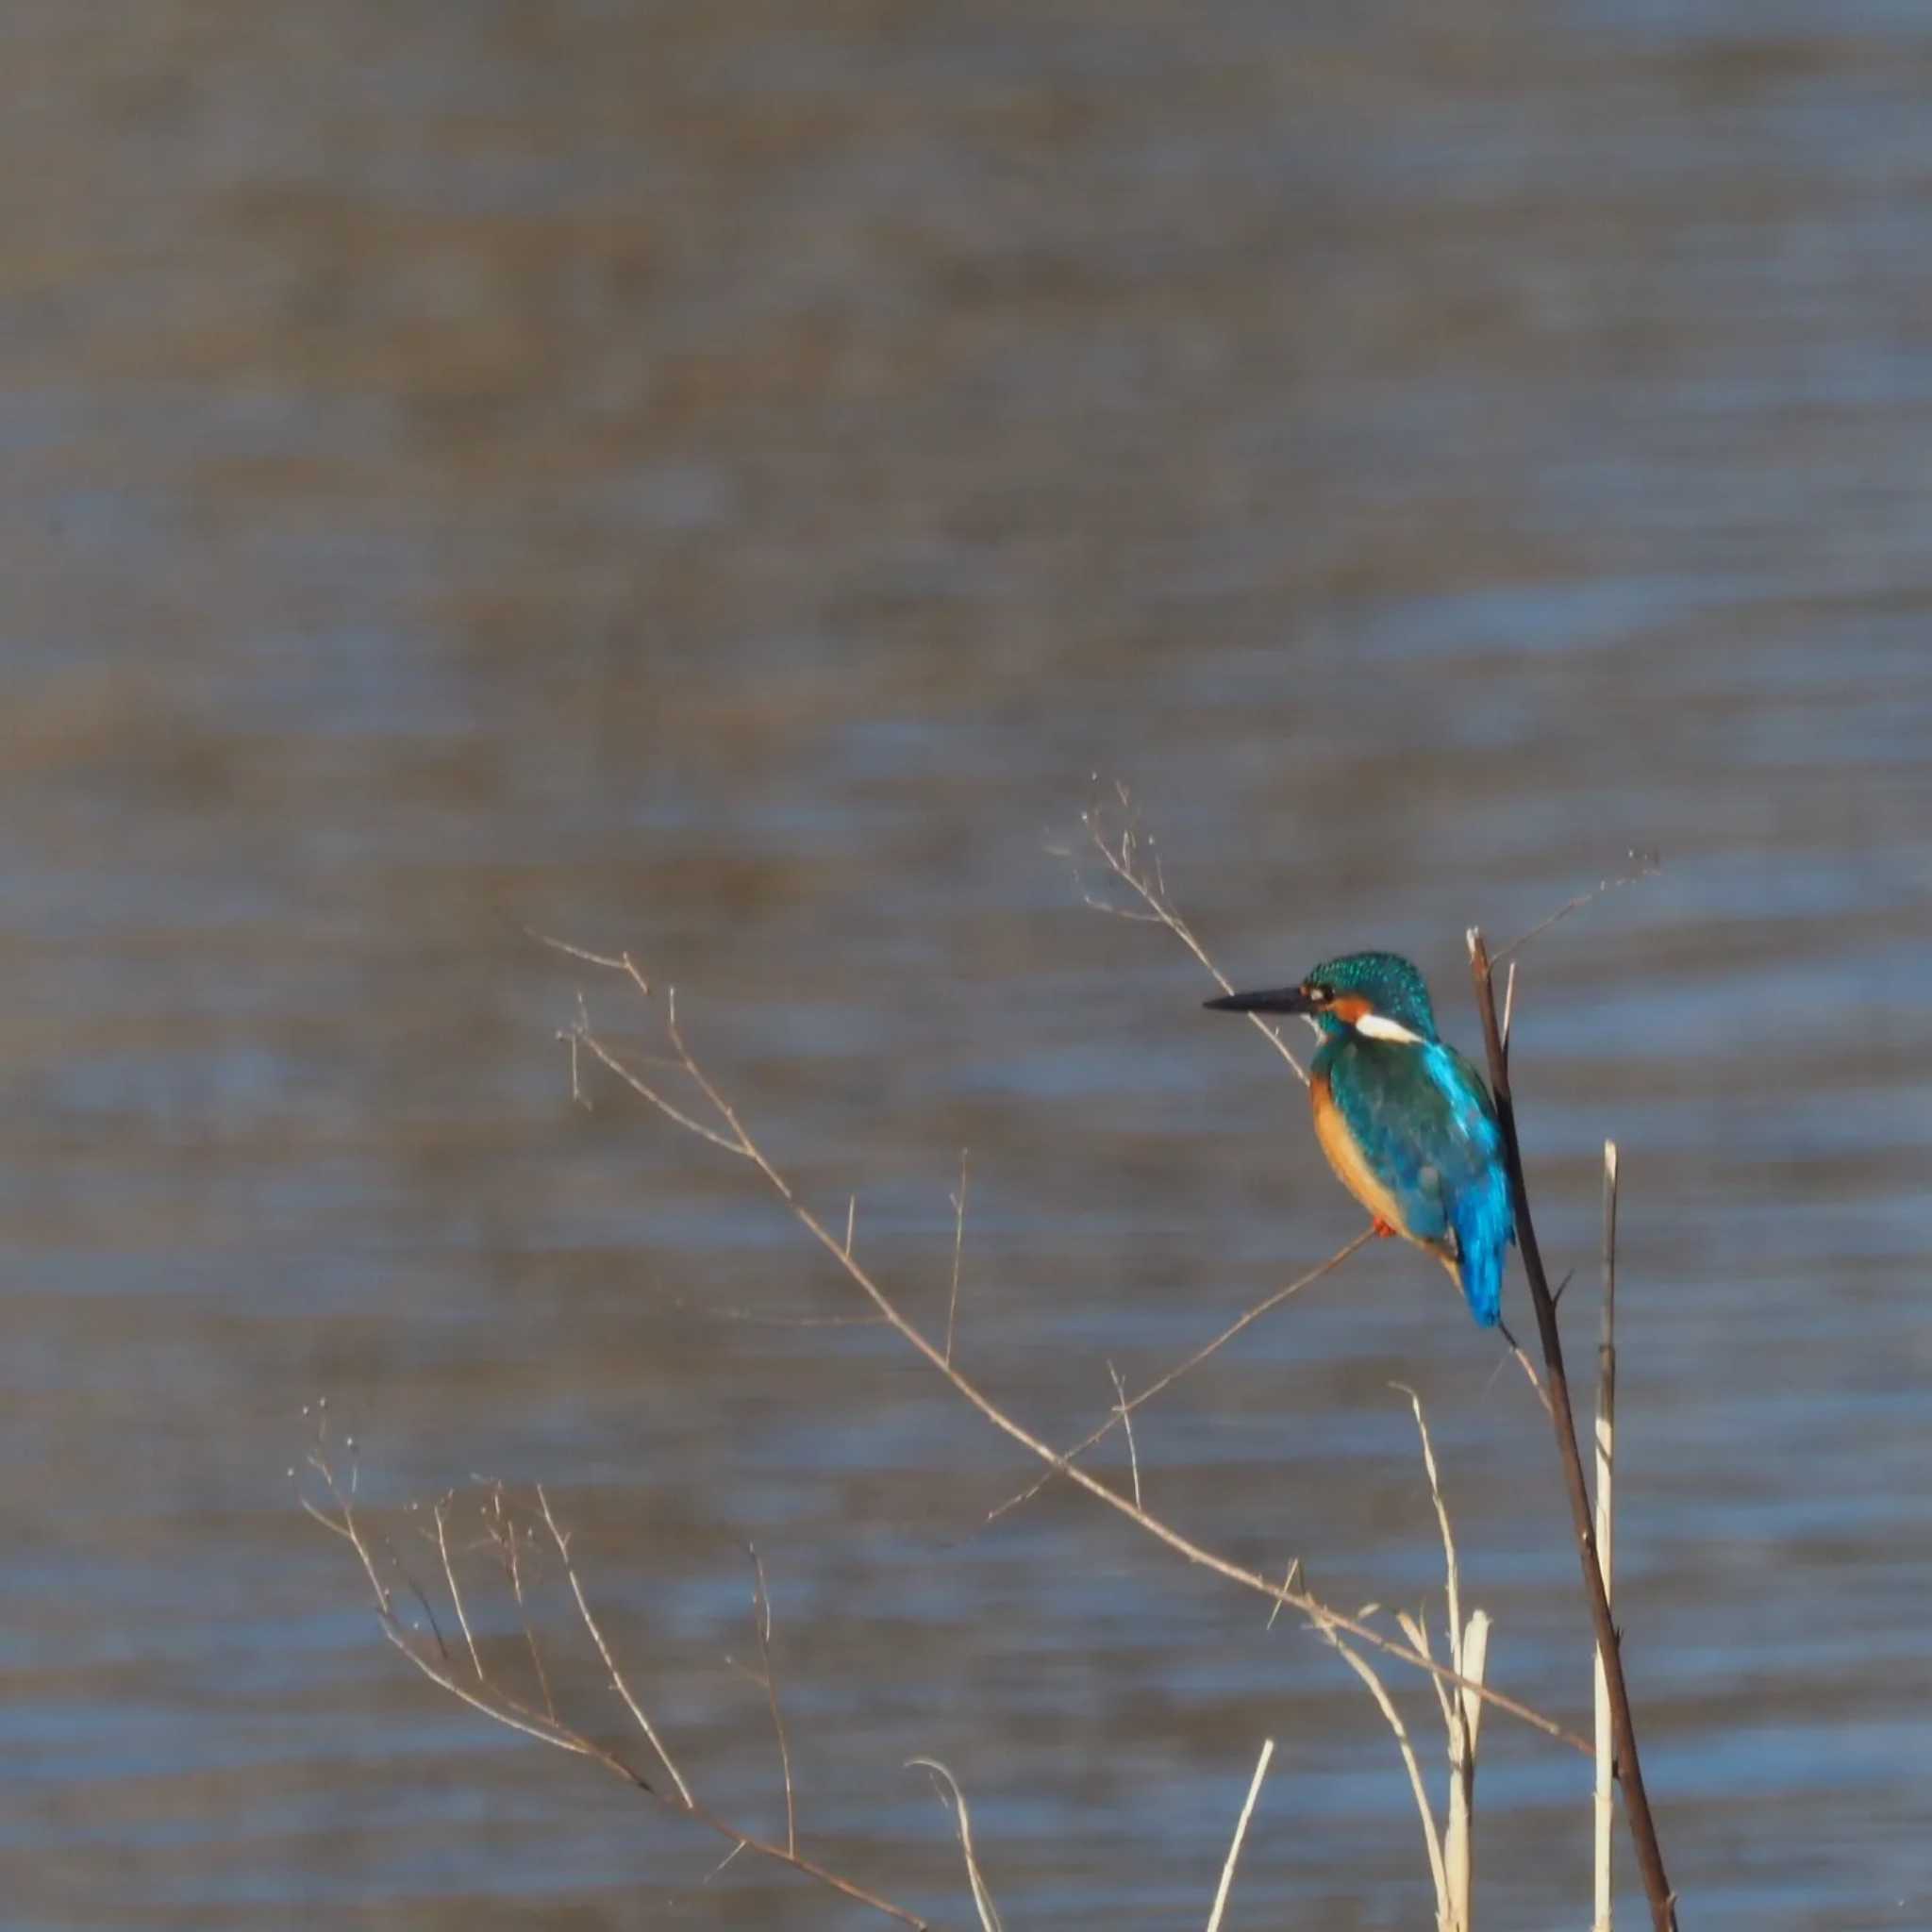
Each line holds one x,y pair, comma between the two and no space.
1405,1120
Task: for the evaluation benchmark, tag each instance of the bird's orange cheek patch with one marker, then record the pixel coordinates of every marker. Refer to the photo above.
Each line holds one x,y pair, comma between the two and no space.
1349,1008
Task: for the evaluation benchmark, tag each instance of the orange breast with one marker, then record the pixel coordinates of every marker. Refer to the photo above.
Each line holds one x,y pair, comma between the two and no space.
1337,1143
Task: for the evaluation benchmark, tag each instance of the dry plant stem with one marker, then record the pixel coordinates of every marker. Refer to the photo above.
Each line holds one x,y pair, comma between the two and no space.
1432,1841
761,1619
736,1140
1604,1807
1241,1832
1461,1713
975,1878
500,1707
1120,1389
1193,1361
1465,1726
1623,1726
449,1576
617,1678
959,1247
1122,859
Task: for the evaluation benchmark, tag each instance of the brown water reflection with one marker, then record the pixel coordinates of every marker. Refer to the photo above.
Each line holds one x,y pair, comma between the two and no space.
721,484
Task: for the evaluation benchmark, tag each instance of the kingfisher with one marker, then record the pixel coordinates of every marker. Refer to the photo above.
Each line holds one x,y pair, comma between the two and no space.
1406,1120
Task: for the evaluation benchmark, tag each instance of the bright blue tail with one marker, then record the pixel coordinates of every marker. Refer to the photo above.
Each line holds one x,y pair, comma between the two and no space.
1484,1226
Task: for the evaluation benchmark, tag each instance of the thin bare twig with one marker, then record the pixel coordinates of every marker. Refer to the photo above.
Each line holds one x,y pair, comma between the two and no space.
1174,1374
958,1246
617,1677
1648,864
761,1618
1149,885
1629,1768
504,1533
1451,1571
738,1141
1241,1832
449,1576
1120,1389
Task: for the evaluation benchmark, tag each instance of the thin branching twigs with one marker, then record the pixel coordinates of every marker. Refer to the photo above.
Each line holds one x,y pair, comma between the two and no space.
735,1139
1629,1768
1144,878
492,1699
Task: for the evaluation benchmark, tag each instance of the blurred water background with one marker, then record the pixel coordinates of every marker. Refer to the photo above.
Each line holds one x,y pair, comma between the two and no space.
735,483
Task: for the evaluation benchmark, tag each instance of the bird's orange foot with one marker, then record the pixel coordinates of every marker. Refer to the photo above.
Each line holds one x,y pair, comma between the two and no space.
1380,1229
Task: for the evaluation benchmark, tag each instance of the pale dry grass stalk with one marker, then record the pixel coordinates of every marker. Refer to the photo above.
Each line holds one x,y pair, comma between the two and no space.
762,1620
1432,1839
1241,1832
955,1799
1450,1847
1603,1802
1465,1729
734,1138
959,1249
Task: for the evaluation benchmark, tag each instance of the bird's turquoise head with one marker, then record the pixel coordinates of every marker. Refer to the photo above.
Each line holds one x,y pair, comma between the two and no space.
1379,995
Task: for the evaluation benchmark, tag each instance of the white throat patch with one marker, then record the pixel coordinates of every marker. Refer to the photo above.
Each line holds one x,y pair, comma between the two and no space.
1378,1026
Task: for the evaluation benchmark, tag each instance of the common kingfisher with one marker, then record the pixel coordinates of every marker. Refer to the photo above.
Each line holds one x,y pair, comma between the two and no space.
1405,1120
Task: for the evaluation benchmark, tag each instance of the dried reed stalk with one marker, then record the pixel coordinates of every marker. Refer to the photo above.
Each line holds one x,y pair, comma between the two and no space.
1604,1804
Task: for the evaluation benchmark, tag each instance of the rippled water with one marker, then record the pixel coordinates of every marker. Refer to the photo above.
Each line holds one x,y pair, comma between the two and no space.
737,486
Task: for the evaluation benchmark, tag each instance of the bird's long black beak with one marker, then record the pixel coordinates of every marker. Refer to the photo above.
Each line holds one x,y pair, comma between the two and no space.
1280,999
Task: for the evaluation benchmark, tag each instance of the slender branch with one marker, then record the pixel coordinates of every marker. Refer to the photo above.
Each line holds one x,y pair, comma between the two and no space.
1149,885
449,1575
1120,1389
1647,864
738,1141
617,1677
958,1246
1241,1832
1193,1361
761,1618
1623,1725
1602,1806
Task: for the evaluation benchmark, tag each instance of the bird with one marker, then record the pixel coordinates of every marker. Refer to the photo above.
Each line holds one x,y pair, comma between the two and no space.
1406,1120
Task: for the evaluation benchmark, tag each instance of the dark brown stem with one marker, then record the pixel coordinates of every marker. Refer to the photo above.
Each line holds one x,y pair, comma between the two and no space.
1650,1858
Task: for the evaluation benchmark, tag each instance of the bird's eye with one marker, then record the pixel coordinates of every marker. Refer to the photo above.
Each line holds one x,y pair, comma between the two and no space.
1322,993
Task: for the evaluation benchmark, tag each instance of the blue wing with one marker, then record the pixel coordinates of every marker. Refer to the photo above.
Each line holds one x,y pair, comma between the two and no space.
1424,1124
